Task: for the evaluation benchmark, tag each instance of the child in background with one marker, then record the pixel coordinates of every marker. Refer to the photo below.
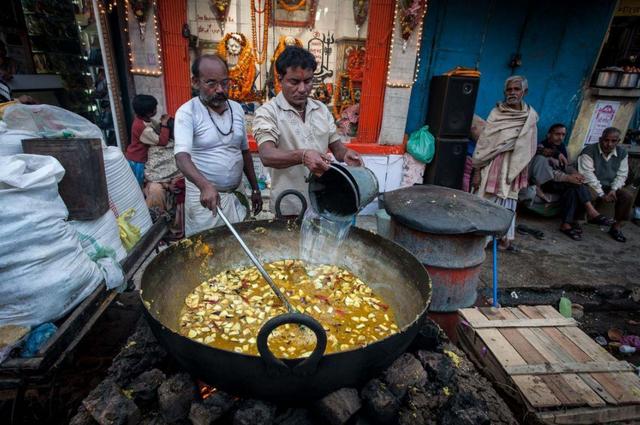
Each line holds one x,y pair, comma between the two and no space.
145,132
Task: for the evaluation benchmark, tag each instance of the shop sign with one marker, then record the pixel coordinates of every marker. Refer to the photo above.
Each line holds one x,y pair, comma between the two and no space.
603,115
628,8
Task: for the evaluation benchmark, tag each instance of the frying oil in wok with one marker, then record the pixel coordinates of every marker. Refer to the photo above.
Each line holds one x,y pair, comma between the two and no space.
228,310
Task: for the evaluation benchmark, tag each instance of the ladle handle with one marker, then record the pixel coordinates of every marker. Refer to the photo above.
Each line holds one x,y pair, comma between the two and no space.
276,366
257,263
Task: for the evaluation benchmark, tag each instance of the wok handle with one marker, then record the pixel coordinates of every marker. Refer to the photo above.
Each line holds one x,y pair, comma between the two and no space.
297,195
309,365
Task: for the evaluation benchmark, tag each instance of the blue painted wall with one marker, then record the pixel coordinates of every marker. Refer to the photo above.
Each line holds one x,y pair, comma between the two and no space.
559,41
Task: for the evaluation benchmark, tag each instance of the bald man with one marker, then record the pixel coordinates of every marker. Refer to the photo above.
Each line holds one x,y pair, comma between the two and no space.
211,149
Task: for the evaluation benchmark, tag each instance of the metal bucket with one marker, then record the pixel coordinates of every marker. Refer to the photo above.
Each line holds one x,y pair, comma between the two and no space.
84,185
342,191
454,263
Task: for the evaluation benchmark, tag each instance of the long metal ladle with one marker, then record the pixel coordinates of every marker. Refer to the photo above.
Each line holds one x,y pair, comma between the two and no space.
257,263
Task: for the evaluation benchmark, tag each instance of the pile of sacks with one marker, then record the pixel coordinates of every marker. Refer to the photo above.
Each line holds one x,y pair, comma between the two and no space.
49,264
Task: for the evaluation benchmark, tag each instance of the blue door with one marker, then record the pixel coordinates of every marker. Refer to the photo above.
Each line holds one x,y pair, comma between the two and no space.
556,42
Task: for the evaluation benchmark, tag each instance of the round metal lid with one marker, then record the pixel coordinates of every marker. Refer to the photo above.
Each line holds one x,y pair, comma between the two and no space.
441,210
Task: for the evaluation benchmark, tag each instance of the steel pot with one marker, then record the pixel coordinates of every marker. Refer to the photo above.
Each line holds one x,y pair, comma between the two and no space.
607,78
388,268
628,80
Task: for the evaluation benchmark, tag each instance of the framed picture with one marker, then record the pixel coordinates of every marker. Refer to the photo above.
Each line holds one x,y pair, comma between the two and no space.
295,13
345,45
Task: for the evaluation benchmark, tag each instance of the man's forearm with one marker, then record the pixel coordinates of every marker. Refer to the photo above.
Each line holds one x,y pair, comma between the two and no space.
189,170
249,171
338,150
273,157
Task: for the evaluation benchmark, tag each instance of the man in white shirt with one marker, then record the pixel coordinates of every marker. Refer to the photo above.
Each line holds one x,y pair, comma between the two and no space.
605,167
211,149
294,131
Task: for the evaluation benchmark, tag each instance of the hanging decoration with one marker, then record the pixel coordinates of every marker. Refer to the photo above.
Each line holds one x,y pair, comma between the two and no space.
402,84
360,12
150,68
221,10
141,12
295,13
411,16
282,44
235,49
292,5
260,55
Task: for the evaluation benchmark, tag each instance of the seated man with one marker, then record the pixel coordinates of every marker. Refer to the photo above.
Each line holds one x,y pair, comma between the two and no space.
550,173
605,167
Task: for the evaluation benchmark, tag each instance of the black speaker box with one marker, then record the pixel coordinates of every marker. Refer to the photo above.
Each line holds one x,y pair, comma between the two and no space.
452,101
447,166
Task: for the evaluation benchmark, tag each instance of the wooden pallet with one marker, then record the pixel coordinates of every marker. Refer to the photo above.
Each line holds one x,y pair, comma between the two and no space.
556,372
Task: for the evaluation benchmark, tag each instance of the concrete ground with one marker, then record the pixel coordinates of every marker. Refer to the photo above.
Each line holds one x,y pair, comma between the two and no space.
558,261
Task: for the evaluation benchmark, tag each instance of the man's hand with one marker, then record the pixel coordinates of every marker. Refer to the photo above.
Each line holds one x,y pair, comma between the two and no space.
576,178
164,119
256,201
27,100
210,198
547,151
610,197
315,161
352,158
475,180
563,160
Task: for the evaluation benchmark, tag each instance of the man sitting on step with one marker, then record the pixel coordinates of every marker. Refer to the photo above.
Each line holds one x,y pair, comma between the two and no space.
605,167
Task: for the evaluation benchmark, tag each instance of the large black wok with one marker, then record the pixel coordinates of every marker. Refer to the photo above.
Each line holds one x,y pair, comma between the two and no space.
389,269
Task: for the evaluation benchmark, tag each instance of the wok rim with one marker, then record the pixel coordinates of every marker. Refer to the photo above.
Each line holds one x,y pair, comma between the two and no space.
288,223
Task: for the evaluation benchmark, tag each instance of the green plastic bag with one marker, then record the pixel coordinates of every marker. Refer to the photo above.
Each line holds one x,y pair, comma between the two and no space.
422,145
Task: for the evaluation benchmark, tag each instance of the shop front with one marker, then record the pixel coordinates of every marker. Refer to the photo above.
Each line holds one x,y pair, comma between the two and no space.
53,51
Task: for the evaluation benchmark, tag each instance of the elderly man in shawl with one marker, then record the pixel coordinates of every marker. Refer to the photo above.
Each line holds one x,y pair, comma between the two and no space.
504,150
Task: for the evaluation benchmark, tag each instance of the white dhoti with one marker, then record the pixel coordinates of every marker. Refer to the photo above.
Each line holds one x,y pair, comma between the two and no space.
198,218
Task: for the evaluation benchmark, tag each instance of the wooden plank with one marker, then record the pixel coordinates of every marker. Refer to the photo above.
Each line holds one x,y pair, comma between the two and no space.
537,391
534,352
592,416
621,388
571,367
533,393
523,323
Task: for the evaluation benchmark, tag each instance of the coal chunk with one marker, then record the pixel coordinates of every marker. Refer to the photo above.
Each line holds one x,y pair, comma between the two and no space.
254,412
109,406
403,373
83,417
463,408
141,353
211,408
430,336
294,416
143,388
439,367
175,396
418,408
339,406
380,403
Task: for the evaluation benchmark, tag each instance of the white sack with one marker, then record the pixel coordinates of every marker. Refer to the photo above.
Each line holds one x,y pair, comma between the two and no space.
103,230
44,273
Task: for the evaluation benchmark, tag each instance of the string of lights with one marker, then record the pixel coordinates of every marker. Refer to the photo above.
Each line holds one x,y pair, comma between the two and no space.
139,70
404,84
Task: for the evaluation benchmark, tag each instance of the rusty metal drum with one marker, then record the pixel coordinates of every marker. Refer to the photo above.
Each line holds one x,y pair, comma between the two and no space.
446,229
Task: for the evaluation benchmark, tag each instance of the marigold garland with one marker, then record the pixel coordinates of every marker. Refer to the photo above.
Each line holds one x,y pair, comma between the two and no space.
244,72
261,57
292,7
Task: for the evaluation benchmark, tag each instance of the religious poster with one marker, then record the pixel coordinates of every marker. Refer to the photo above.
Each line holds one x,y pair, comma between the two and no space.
603,115
144,44
295,13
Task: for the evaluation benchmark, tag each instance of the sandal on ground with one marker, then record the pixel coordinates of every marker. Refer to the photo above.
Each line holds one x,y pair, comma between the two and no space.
601,220
572,233
523,230
617,235
577,227
511,248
